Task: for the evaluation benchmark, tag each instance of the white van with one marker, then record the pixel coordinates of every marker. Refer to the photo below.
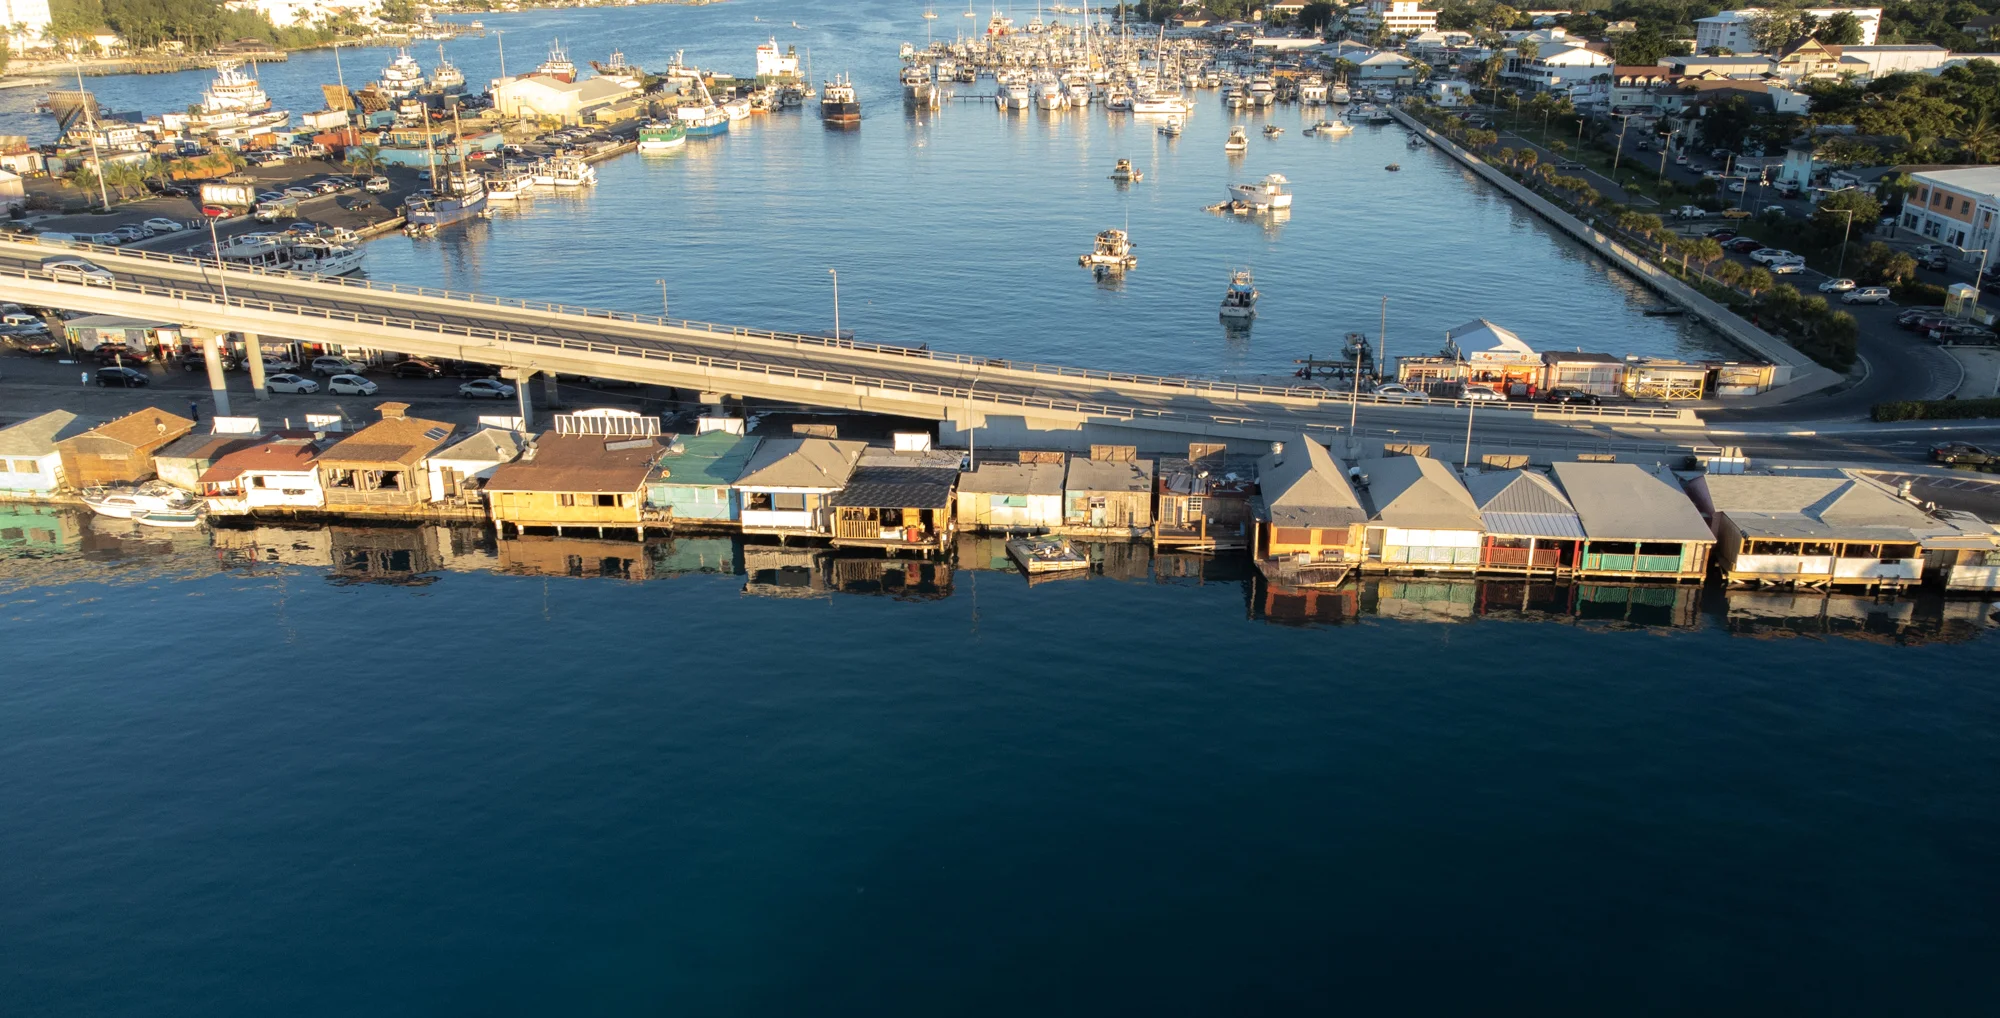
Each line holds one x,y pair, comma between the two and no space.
1866,295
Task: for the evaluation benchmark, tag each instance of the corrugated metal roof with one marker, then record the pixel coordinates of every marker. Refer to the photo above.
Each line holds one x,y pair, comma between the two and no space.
1621,502
897,488
1815,505
1557,525
1516,491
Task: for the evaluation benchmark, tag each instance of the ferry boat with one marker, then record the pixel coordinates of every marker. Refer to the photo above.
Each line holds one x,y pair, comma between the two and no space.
1240,300
1238,140
1273,192
402,77
558,65
446,78
461,196
838,104
126,502
234,92
660,135
1124,172
702,118
1111,252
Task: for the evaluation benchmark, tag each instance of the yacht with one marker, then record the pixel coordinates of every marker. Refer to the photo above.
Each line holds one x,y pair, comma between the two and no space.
1273,192
1233,97
558,65
1077,84
124,503
1312,91
1124,172
1050,95
1240,300
1111,251
1013,93
1329,128
1339,94
447,79
1263,91
1118,100
234,92
402,77
1238,140
661,135
1171,103
838,104
312,256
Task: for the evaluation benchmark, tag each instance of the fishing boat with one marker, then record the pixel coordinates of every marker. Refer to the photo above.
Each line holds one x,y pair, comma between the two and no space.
838,104
1240,300
661,135
460,195
1238,140
1273,192
1112,251
1038,555
617,68
126,501
702,118
402,77
1124,173
558,65
171,519
509,185
446,78
737,108
565,171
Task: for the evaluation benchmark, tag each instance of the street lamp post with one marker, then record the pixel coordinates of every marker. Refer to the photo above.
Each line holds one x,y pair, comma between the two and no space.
1618,153
663,298
1665,147
836,303
1382,341
1841,270
215,245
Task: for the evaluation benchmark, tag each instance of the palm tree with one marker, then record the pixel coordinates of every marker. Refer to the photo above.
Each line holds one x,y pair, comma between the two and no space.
1979,139
1705,250
365,159
1757,280
155,169
1730,274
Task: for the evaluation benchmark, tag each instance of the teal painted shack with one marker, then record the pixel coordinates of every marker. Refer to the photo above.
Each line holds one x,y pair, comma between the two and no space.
692,482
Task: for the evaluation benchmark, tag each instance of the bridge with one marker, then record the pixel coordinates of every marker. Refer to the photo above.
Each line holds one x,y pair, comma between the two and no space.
983,399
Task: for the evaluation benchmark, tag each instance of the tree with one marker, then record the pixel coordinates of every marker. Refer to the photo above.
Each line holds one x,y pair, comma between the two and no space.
1643,45
365,159
1704,250
1840,29
1979,139
1757,280
1774,28
1315,16
1730,274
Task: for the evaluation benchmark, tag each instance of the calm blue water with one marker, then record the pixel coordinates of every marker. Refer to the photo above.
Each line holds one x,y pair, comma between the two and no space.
961,228
254,790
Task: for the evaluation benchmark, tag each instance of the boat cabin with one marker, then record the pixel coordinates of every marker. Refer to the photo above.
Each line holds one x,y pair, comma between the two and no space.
1636,525
1112,491
382,464
1420,518
120,451
1023,495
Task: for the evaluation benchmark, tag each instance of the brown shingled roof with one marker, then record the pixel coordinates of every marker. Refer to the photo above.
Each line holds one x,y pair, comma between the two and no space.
580,463
143,427
404,440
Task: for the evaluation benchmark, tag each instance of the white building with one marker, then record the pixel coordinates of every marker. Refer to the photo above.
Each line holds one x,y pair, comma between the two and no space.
1398,17
30,464
1955,206
1734,30
1869,62
25,20
281,474
287,13
1559,69
457,470
539,95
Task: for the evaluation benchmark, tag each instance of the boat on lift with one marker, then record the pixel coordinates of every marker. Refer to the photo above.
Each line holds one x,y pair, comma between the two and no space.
1238,140
1125,173
1274,192
1111,252
1240,300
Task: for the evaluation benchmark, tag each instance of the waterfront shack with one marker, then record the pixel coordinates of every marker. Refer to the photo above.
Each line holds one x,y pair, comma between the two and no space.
1636,525
1966,557
1478,354
1025,495
1530,525
785,485
30,458
1111,492
381,466
694,481
576,481
1819,528
120,451
182,462
899,499
1599,374
458,472
280,474
1204,500
1420,518
1307,523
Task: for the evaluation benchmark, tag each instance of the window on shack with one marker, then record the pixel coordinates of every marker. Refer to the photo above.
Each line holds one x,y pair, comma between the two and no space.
788,501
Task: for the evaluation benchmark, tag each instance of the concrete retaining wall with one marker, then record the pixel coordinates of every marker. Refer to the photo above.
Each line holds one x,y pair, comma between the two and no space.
1797,372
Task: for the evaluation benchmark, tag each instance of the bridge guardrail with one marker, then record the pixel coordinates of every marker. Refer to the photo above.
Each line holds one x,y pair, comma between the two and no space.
1204,387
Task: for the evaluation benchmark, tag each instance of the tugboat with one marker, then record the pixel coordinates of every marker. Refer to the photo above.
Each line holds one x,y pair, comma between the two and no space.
558,65
661,135
1272,193
1112,252
1125,174
1238,141
447,79
838,105
1240,300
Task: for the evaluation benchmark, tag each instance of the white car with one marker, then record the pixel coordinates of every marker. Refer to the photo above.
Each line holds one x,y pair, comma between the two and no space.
1399,393
76,270
1480,394
1837,286
376,185
105,239
335,366
1736,187
279,362
1866,295
1787,267
163,225
291,383
1767,255
486,388
1690,212
351,385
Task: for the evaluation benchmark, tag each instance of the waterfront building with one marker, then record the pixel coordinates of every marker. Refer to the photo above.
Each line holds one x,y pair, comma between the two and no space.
458,472
1954,206
1110,491
898,499
1478,353
1813,527
1966,558
1558,68
694,481
1203,501
1307,521
1420,517
278,474
144,338
120,451
1397,17
1024,495
533,96
1599,374
1736,30
574,480
31,463
381,466
785,486
182,462
1530,525
1636,525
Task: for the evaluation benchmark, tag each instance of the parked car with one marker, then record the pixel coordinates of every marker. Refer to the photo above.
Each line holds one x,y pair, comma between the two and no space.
336,366
1925,323
123,378
21,320
117,353
106,239
29,342
1837,286
195,360
265,196
1767,255
1745,245
1908,319
351,385
279,362
326,187
131,233
1963,452
1866,295
376,185
1480,394
486,388
414,368
1570,397
220,212
1787,266
1735,187
1735,213
288,382
161,224
1773,210
301,193
1961,332
1721,234
1689,212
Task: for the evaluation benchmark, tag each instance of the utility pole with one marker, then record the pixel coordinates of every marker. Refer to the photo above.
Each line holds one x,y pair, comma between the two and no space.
663,298
1382,341
1624,121
836,303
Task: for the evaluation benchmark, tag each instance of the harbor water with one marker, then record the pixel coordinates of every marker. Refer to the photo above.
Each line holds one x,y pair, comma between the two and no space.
346,770
960,228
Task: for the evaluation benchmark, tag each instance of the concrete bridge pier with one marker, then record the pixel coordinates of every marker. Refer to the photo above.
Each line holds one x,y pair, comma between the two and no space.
211,353
521,377
253,353
551,396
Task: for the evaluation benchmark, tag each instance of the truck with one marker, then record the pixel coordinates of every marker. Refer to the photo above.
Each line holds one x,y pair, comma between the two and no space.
276,209
228,192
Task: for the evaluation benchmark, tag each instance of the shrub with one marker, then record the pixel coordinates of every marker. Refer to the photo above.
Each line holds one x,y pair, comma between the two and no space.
1936,409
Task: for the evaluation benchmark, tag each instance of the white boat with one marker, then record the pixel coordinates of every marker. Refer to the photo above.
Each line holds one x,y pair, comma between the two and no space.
1331,127
1170,103
182,519
447,79
1240,300
123,503
402,77
1273,192
1118,100
276,252
565,171
233,92
1014,95
737,108
1171,128
1112,251
1263,91
1050,94
1312,91
1124,172
1339,94
508,185
1238,140
1039,555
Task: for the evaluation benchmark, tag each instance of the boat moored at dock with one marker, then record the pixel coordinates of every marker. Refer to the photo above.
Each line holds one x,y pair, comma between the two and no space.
661,135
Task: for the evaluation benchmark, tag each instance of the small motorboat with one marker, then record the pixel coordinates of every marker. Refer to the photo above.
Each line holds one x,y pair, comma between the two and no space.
1124,173
1238,141
126,503
1037,555
1273,192
1171,128
1392,167
1273,130
1327,128
169,519
1111,252
1240,300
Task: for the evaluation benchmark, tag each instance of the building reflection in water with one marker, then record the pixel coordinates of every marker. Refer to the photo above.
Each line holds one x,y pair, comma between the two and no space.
43,546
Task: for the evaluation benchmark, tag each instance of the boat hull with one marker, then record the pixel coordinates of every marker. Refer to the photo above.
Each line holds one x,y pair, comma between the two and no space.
446,211
708,128
842,113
